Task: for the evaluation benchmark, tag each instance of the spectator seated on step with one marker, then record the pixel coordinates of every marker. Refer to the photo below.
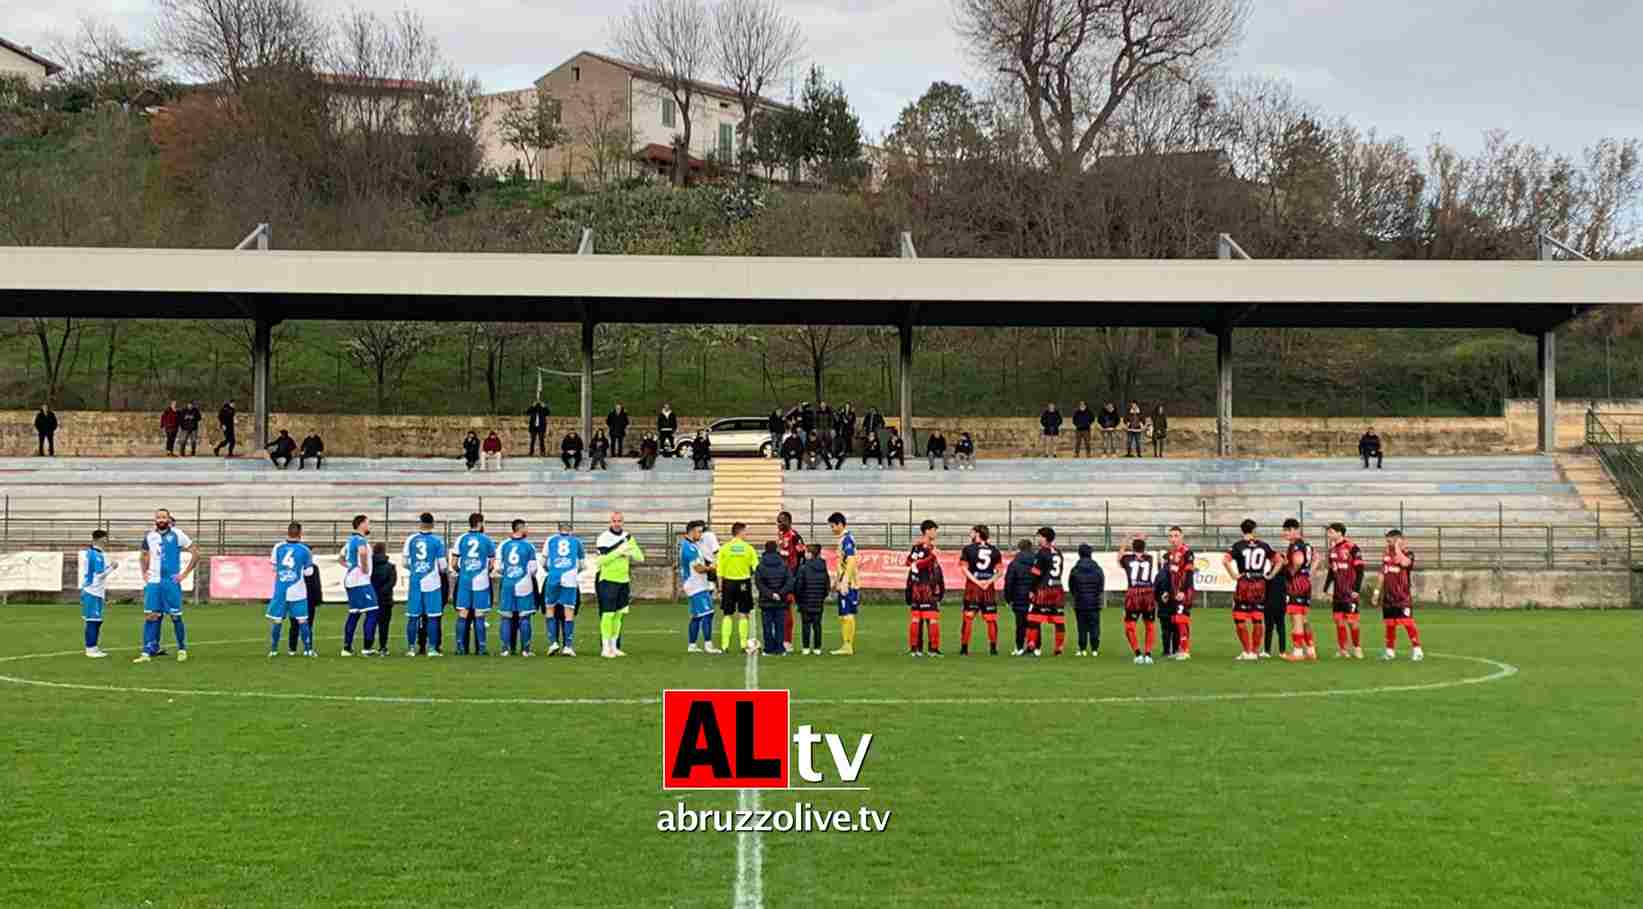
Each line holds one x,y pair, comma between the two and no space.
281,449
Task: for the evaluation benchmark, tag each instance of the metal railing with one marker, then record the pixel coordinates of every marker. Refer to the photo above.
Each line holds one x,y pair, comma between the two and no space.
1495,546
1606,435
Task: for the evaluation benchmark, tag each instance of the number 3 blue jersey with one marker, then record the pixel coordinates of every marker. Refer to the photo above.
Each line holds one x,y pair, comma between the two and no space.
423,554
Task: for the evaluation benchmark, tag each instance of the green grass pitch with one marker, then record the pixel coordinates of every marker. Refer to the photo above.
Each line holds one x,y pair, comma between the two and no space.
1045,789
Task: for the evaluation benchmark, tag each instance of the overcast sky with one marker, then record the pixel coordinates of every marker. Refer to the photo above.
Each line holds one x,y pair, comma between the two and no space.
1559,74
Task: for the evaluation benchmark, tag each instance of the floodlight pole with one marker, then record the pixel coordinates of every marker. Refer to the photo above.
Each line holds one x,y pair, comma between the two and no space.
908,251
1225,248
262,345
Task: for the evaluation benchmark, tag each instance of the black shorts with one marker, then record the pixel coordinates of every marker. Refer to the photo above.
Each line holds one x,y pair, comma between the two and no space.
1345,608
738,597
613,597
980,599
1396,613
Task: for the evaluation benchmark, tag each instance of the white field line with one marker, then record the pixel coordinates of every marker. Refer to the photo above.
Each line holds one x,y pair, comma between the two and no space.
1500,671
749,847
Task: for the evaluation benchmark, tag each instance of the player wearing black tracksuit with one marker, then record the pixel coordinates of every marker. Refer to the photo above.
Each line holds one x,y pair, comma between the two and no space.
1018,591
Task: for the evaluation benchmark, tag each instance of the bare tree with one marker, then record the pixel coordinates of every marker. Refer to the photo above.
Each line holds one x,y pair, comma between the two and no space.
754,44
604,134
1076,60
530,125
385,348
56,354
672,39
230,41
99,61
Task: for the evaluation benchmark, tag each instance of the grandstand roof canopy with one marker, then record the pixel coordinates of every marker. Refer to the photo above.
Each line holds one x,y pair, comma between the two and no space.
171,283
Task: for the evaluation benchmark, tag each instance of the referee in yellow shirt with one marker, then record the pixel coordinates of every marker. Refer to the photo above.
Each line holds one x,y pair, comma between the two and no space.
736,561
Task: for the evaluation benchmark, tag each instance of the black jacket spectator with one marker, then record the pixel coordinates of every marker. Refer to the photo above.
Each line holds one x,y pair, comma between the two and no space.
1018,582
871,449
312,447
792,450
617,422
570,450
896,450
936,444
598,451
965,445
1050,421
45,425
777,424
845,426
667,425
1086,583
1109,416
811,585
536,420
824,420
189,418
774,579
225,422
807,418
701,451
470,450
281,449
383,578
873,423
1370,447
648,452
1083,419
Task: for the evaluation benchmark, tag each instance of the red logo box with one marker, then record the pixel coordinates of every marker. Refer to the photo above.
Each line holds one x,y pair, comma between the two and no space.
724,739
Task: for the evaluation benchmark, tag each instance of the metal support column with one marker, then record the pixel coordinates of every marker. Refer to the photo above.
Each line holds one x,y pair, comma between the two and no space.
262,345
1546,359
585,248
908,251
1223,391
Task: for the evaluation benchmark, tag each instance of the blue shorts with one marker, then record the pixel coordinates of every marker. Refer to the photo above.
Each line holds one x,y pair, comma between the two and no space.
564,596
280,610
469,598
424,603
91,608
362,599
701,604
164,597
850,603
516,603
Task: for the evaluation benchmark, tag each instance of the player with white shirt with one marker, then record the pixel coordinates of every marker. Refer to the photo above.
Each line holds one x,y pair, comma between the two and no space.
163,574
424,557
362,599
93,589
293,564
562,558
694,565
517,561
473,561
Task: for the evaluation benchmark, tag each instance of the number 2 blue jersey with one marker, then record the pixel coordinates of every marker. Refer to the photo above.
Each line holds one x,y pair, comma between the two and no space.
474,552
424,553
291,561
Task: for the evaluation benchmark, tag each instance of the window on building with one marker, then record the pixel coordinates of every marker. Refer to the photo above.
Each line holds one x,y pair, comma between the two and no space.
667,112
727,140
576,74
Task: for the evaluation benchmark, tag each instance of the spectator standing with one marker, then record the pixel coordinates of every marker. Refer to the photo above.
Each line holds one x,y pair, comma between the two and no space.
490,452
1134,426
1050,423
667,426
225,421
598,451
1108,421
45,425
1160,430
964,452
312,447
281,449
871,450
792,450
188,426
778,430
896,451
825,425
570,450
168,425
383,578
617,422
1370,447
701,451
536,420
873,425
1086,583
936,447
1083,419
470,449
845,425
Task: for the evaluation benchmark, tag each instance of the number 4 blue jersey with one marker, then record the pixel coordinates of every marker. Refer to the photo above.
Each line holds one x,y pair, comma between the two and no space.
292,561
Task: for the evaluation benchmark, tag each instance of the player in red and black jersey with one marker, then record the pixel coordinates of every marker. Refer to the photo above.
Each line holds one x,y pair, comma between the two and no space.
1049,595
1345,578
981,562
1180,567
1298,590
924,590
1253,561
790,546
1141,573
1397,596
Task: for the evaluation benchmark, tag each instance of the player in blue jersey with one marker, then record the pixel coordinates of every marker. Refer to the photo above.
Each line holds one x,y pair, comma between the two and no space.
163,574
562,558
362,599
517,561
424,558
694,565
293,565
473,561
94,570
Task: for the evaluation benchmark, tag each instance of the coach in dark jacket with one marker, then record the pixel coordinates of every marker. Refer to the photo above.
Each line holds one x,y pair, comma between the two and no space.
617,422
811,584
1087,583
383,578
774,581
45,425
1018,590
536,420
